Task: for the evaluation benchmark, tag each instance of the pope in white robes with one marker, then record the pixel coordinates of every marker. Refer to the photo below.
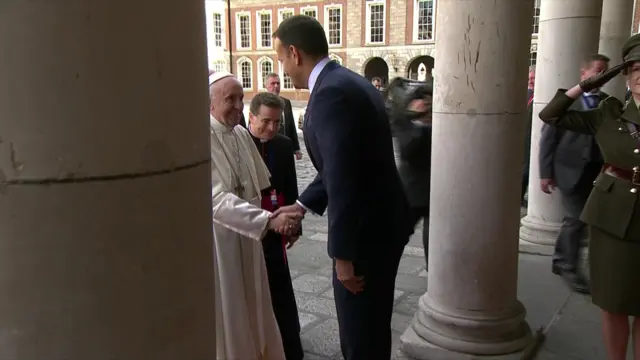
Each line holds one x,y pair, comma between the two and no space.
246,327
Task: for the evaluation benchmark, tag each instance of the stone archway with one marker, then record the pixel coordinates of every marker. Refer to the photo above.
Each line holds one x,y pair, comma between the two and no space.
420,68
377,67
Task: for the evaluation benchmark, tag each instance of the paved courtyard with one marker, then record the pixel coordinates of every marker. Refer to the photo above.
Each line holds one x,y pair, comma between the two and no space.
571,321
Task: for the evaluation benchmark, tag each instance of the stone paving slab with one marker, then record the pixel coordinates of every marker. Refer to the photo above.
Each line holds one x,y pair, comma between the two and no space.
572,322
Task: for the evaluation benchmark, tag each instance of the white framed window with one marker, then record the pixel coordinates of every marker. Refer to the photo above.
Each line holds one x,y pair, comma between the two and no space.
536,17
333,24
245,70
218,66
265,28
424,16
335,58
375,25
243,29
287,84
533,55
284,13
310,11
217,30
265,67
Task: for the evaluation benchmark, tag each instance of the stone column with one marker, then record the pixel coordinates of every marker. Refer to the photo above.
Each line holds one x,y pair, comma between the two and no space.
471,306
105,233
569,31
617,17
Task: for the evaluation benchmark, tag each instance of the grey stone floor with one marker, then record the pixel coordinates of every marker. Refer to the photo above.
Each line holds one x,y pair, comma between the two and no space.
572,323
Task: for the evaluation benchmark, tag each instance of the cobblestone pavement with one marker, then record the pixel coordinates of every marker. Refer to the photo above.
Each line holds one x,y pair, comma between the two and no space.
311,274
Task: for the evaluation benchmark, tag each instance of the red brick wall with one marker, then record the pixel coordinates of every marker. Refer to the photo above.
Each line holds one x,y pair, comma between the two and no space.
636,18
254,54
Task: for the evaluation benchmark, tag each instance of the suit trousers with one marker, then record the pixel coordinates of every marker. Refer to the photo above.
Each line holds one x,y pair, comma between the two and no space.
365,318
418,213
283,298
573,230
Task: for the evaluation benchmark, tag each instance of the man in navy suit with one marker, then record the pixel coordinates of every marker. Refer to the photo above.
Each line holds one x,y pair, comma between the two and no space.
348,138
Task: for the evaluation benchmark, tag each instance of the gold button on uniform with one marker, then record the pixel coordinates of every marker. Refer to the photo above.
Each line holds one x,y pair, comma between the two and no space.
636,151
620,129
633,190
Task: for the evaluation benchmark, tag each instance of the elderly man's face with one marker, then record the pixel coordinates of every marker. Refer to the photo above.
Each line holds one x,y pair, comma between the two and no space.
273,85
226,103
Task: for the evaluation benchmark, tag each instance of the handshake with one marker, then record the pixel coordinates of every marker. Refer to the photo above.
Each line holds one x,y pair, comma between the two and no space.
287,220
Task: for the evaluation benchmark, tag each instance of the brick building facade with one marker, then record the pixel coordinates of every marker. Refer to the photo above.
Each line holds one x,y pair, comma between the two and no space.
382,38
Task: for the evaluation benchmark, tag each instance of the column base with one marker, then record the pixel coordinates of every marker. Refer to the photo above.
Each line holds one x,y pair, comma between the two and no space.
435,334
538,236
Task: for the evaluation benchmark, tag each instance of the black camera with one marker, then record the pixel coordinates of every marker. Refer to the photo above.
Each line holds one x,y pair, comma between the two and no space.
400,93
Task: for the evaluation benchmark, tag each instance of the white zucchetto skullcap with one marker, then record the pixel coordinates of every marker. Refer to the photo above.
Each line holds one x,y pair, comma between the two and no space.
217,76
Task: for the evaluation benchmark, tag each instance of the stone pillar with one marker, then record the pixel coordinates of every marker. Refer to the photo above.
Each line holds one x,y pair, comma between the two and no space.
569,31
471,307
617,17
105,233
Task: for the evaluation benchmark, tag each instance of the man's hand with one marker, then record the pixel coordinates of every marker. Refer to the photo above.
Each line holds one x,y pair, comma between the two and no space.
298,155
292,240
546,185
290,209
346,275
285,223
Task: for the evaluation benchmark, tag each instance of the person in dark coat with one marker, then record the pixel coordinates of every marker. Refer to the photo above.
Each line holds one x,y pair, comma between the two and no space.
612,211
265,118
348,139
570,161
288,126
409,103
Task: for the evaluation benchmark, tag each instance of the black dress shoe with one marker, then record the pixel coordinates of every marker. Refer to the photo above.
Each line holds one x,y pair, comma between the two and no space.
556,269
576,282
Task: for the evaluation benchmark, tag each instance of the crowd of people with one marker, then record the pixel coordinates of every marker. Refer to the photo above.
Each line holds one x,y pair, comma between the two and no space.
589,151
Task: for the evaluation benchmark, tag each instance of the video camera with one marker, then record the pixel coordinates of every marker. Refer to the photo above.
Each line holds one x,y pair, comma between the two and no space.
400,93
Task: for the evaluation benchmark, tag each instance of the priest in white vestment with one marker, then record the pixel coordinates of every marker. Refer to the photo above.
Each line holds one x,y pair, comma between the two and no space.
246,327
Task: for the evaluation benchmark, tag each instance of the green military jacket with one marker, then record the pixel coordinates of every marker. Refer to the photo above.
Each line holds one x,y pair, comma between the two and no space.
614,204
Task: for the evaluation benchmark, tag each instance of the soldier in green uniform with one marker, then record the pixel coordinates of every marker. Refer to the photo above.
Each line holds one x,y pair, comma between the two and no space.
612,211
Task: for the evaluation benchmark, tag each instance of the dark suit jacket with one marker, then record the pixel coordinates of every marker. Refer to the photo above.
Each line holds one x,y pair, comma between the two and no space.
243,122
527,135
414,145
565,154
288,127
348,138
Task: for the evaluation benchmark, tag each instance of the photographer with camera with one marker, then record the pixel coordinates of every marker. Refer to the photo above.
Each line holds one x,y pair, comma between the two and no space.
409,103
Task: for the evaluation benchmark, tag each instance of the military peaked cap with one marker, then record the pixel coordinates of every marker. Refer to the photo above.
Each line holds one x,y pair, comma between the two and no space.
631,49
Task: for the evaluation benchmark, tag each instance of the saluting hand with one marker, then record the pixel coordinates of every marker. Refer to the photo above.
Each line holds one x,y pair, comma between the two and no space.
599,80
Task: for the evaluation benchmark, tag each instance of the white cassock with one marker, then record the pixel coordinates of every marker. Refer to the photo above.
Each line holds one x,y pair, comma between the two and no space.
246,327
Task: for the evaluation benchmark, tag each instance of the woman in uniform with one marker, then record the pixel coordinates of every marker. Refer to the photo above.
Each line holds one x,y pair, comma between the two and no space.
612,211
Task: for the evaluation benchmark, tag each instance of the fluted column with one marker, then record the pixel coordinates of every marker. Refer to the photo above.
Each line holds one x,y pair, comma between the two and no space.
569,32
105,215
617,17
471,305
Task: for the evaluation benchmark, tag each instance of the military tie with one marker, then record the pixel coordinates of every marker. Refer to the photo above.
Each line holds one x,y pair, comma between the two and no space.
591,101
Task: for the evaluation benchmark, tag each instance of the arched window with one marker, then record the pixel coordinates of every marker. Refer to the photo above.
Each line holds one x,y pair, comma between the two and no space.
335,58
265,67
245,69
